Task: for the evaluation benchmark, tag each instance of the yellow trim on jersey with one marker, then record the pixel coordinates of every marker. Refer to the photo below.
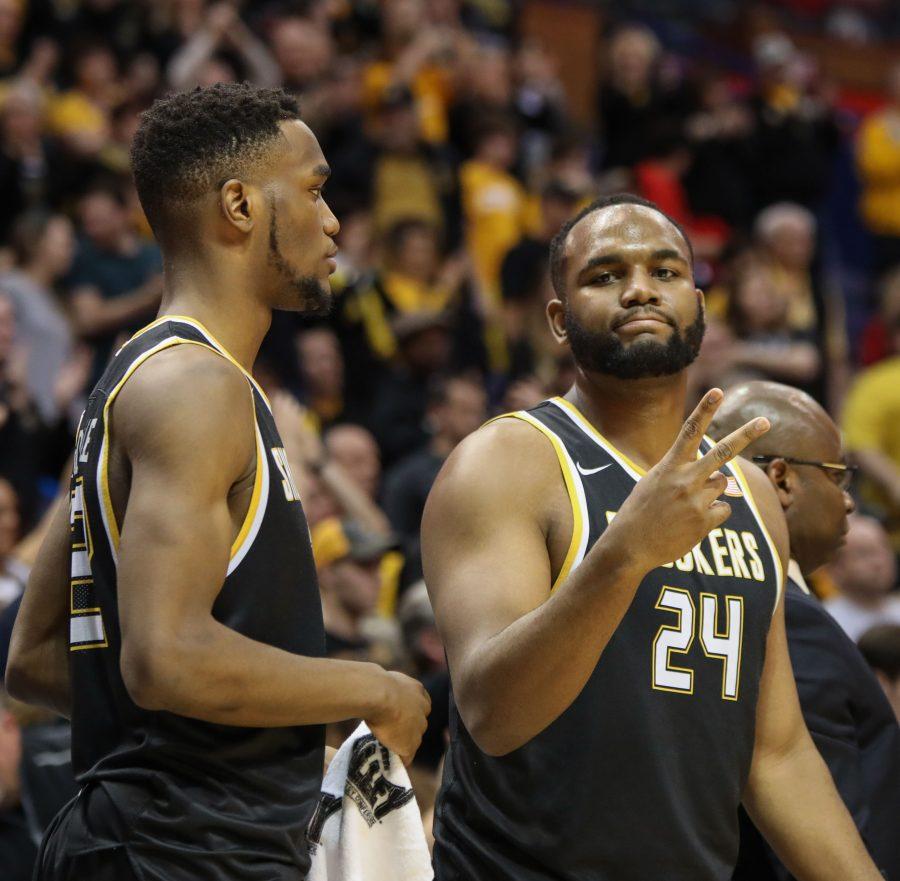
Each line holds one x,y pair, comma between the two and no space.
568,405
105,499
186,319
254,498
570,478
776,557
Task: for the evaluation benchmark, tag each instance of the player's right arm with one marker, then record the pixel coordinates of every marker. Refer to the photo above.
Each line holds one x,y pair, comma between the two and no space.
519,654
185,423
38,667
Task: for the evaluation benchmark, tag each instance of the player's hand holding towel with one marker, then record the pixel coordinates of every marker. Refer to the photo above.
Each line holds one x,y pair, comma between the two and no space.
367,825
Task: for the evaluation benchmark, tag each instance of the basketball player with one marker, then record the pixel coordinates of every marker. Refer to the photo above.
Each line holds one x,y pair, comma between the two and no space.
173,612
608,585
847,713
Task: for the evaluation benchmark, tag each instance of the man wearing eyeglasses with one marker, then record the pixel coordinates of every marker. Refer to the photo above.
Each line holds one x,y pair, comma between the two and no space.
846,712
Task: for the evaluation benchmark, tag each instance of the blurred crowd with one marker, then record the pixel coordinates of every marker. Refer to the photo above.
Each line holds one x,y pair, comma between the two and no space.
456,155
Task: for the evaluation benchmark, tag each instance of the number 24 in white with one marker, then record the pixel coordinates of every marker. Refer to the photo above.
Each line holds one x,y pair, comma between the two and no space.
678,638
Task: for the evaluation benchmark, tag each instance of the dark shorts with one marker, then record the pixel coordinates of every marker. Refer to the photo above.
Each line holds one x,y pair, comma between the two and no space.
111,864
93,839
67,854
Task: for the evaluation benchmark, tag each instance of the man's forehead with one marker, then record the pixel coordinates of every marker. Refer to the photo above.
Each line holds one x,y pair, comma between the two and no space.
303,150
628,227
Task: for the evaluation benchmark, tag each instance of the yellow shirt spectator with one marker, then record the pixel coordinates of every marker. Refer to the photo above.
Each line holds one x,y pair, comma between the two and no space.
430,88
498,212
878,159
871,421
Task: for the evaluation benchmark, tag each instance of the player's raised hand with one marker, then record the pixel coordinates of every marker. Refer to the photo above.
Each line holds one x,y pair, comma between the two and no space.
677,503
400,723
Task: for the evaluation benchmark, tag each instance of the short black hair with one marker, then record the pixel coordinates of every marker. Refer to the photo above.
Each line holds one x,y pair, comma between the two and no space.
191,142
558,245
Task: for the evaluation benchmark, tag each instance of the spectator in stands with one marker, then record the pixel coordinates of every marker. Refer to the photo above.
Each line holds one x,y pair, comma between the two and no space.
540,103
415,56
11,14
878,161
413,278
222,31
634,104
345,139
411,178
25,441
456,407
878,341
759,342
524,278
880,646
424,348
116,282
32,169
303,51
872,434
356,451
496,208
717,181
865,572
17,847
795,134
35,782
13,573
322,373
44,246
787,237
347,561
82,116
485,90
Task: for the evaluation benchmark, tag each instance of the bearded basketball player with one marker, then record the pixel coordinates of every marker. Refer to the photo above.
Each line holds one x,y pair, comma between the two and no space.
173,612
609,587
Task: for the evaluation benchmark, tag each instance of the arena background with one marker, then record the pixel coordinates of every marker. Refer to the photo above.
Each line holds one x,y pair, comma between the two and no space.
461,133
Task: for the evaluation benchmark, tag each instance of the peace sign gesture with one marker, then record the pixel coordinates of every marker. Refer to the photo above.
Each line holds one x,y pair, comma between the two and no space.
682,489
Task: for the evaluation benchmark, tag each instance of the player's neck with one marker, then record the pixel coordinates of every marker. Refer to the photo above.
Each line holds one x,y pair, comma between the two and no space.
218,297
641,417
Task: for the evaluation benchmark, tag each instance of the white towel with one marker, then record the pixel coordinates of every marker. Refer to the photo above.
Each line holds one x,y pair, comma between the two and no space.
367,826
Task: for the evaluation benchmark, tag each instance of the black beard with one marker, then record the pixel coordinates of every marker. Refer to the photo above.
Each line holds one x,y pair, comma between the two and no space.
604,351
311,298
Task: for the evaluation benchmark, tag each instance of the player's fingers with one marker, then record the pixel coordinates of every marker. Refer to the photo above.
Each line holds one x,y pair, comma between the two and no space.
688,441
732,445
719,511
715,485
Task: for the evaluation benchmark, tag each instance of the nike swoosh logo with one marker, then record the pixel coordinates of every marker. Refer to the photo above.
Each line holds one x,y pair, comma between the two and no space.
587,471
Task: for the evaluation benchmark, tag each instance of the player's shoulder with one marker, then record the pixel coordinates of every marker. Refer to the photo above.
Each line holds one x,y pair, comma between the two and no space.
186,373
504,457
186,388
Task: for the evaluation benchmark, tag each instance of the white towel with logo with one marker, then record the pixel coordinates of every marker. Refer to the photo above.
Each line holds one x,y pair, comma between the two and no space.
367,826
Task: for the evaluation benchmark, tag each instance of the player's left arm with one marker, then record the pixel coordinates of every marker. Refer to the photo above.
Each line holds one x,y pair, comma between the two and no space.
790,795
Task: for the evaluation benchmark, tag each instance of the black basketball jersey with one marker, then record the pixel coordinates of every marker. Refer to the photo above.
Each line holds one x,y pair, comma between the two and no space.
641,777
205,801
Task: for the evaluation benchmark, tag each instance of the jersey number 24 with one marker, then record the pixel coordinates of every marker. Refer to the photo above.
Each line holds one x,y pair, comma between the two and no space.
722,645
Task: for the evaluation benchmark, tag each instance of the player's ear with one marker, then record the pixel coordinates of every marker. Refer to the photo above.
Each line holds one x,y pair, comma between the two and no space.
701,302
556,317
238,204
784,480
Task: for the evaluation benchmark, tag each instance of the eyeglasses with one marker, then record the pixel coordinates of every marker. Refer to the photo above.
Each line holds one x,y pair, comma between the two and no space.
839,472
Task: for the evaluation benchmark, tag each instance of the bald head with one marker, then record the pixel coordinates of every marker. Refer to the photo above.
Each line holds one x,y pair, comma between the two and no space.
815,504
800,427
